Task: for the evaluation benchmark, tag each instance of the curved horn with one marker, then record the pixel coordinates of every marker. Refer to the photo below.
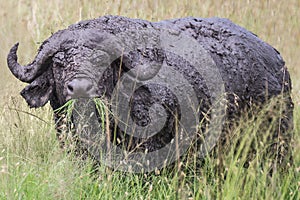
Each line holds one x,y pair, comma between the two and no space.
20,72
29,72
61,39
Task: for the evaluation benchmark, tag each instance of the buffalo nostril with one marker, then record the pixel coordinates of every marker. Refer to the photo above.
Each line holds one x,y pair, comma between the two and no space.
70,88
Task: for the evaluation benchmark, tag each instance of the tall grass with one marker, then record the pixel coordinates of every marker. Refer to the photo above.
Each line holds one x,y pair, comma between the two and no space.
32,164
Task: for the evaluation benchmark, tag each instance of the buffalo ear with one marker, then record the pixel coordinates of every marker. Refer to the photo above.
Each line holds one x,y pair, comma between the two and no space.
38,92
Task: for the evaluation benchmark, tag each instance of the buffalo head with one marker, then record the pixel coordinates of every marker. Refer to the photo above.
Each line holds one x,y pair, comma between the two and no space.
68,65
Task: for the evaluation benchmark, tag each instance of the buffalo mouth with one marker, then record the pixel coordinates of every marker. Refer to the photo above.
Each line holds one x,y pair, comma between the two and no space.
82,120
82,110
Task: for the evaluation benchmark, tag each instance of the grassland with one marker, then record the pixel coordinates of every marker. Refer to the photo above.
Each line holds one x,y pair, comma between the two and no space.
32,166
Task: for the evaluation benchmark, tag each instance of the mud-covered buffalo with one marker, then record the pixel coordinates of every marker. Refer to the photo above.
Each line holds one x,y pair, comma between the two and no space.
160,81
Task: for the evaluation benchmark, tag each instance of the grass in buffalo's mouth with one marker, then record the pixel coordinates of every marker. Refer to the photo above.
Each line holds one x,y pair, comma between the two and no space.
100,107
67,108
102,110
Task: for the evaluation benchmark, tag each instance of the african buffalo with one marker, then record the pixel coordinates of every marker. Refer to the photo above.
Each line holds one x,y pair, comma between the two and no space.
156,76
